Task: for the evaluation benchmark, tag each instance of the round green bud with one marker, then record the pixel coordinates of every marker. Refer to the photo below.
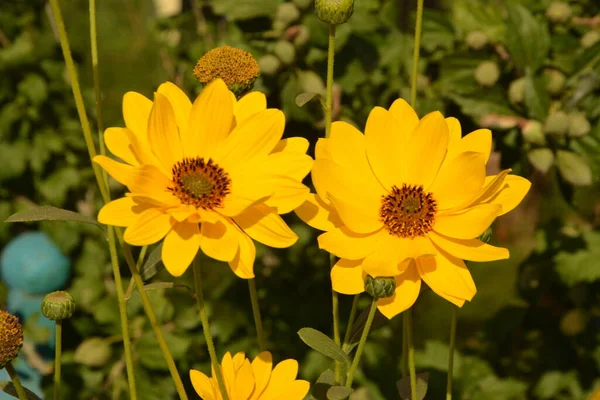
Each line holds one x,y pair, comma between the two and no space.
487,73
590,39
486,236
573,322
380,287
57,306
476,40
302,36
533,132
285,51
334,11
578,125
303,4
556,81
269,64
559,12
11,337
516,91
93,352
287,13
557,123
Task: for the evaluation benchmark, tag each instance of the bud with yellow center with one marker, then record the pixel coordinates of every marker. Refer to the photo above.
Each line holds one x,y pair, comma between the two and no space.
334,11
57,306
236,67
380,287
11,337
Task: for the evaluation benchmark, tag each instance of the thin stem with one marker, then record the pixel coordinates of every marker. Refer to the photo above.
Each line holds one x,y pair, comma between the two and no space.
361,344
256,311
336,323
451,355
57,359
14,376
329,95
413,85
206,328
411,354
122,313
346,344
404,361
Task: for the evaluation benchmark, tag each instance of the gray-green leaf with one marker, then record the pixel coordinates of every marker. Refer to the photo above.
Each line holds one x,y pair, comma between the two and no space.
573,168
323,344
50,213
338,393
9,388
403,386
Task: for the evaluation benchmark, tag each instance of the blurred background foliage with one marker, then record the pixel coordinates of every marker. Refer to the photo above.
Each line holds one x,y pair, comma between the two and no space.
529,70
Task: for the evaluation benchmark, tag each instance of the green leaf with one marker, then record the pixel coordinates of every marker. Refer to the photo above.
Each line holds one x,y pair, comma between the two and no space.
50,213
339,392
34,88
9,388
541,159
573,168
153,264
325,381
536,97
527,40
245,9
578,267
323,344
403,386
304,98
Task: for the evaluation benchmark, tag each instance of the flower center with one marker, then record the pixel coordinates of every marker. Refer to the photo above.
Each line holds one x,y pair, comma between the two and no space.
200,183
408,212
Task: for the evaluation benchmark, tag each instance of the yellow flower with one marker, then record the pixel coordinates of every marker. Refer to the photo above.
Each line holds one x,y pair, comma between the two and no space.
408,200
211,175
252,381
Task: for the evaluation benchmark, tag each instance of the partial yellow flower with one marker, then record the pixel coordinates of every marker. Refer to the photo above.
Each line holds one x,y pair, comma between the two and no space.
211,175
408,200
252,381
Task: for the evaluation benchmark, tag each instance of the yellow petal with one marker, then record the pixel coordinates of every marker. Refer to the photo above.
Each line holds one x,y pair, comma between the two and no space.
447,276
408,285
151,182
136,112
469,249
162,132
249,187
120,142
479,141
122,173
182,106
211,119
228,374
492,185
297,390
202,385
244,381
350,245
454,133
426,150
405,115
283,374
150,227
318,214
467,224
291,164
182,212
385,260
249,105
263,224
358,219
243,263
322,149
288,196
514,190
261,367
415,247
121,212
180,247
347,147
347,277
293,144
220,240
459,181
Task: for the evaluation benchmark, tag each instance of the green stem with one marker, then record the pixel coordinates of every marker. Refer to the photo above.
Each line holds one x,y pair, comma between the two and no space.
336,323
346,344
14,376
57,359
122,313
411,354
451,355
256,311
206,328
404,361
361,344
415,70
329,95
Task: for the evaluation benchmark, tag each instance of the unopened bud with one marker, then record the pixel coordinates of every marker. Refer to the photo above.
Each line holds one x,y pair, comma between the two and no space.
287,13
557,123
380,287
285,51
57,306
11,337
303,3
578,125
516,91
476,40
556,81
533,132
269,64
487,73
334,11
559,12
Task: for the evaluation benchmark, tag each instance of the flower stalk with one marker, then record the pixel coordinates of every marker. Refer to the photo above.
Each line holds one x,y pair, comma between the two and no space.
260,336
361,344
57,359
411,353
346,344
451,355
14,376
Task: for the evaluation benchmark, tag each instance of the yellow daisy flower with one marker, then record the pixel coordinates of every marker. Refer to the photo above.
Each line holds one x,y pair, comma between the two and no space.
408,200
252,381
211,175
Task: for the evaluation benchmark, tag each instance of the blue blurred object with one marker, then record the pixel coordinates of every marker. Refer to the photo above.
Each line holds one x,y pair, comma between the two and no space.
28,306
34,264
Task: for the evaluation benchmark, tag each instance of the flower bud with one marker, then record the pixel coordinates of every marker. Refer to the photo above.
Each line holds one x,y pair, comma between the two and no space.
476,40
558,12
285,51
57,306
557,123
269,64
578,125
486,236
334,11
380,287
590,39
487,73
302,4
516,91
93,352
11,337
532,132
556,81
287,13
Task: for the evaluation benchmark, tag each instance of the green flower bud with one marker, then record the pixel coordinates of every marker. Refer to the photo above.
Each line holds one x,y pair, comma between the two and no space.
533,132
590,39
487,73
303,4
11,337
476,40
380,287
334,11
559,12
486,236
269,64
287,13
93,352
557,123
302,37
57,306
574,322
285,51
578,125
556,81
516,91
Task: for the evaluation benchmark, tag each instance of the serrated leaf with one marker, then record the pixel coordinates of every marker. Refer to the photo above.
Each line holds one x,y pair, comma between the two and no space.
304,98
9,388
153,264
403,386
573,168
339,393
323,344
50,213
